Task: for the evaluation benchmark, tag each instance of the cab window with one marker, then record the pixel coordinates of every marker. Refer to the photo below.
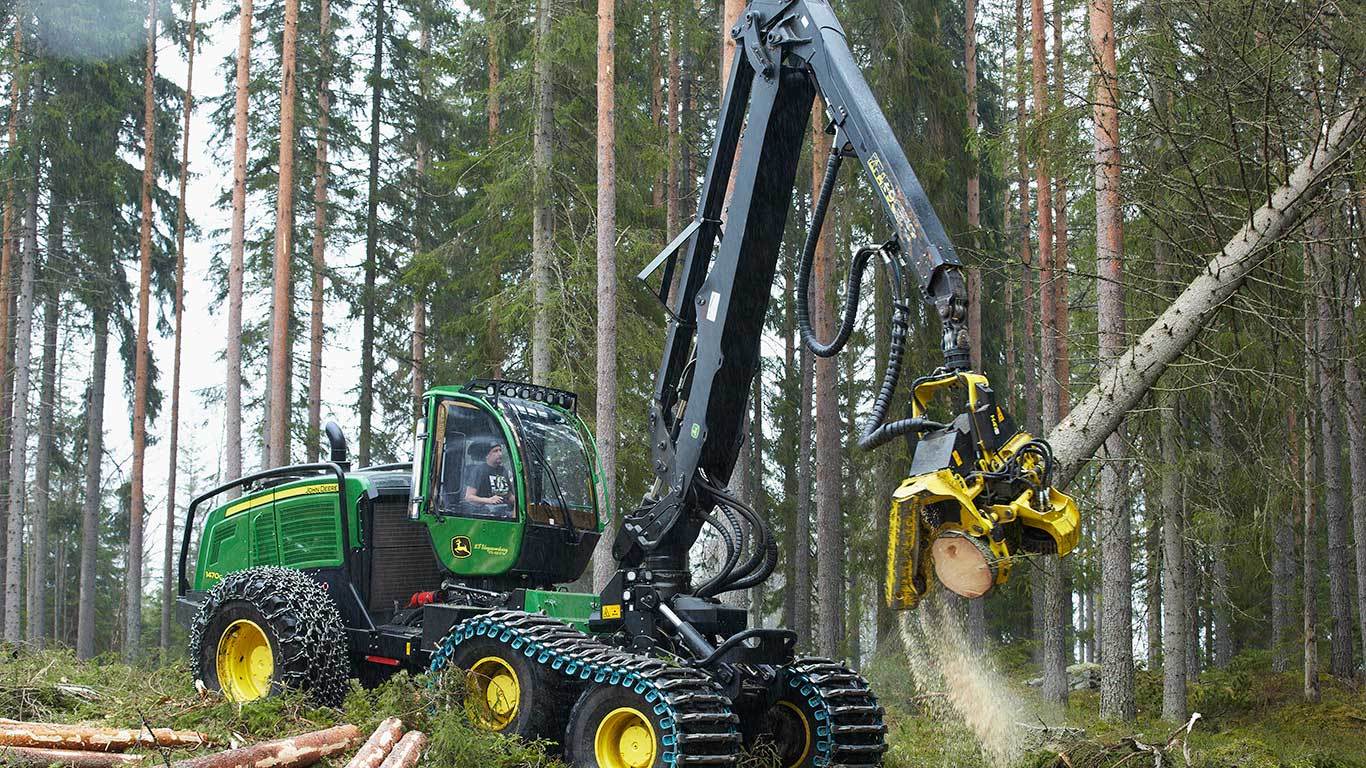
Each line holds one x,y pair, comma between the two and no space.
474,471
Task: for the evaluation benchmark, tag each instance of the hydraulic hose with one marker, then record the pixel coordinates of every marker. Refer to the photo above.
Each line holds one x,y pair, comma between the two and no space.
818,211
734,541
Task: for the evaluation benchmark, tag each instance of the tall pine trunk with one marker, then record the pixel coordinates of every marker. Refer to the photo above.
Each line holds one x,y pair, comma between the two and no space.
829,456
1116,642
42,470
91,501
1309,580
368,298
1219,586
1356,439
673,201
1329,351
542,232
132,639
320,175
801,539
605,408
282,304
1283,555
494,109
232,398
23,348
419,337
1173,567
173,449
16,95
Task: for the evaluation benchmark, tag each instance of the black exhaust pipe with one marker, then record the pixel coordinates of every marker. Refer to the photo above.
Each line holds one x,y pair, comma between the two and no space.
337,441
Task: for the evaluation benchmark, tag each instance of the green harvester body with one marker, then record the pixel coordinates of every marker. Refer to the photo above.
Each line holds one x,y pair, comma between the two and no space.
400,549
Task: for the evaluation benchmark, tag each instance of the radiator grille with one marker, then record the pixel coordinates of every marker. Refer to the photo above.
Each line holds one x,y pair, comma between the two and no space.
402,561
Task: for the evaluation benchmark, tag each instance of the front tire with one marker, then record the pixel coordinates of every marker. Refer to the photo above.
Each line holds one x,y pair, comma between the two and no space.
266,630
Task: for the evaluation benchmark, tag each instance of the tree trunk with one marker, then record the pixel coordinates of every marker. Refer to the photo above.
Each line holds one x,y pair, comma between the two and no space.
494,109
132,639
829,541
1283,555
90,507
42,481
1031,414
23,348
1153,584
16,95
232,398
283,299
606,405
371,754
1192,583
1043,209
801,539
673,202
1329,351
1356,438
1116,640
542,231
1309,484
368,297
419,338
173,449
1123,385
974,192
313,439
1219,583
757,498
1061,321
731,9
1173,568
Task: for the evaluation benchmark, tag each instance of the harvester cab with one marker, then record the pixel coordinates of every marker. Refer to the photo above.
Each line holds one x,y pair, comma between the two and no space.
499,505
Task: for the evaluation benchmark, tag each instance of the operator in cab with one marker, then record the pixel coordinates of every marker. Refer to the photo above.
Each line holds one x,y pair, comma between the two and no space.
488,489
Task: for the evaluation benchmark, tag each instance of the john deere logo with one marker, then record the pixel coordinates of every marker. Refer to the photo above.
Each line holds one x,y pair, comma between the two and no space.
460,546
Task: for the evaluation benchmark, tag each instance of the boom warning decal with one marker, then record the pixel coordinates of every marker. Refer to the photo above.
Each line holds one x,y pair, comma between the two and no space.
891,196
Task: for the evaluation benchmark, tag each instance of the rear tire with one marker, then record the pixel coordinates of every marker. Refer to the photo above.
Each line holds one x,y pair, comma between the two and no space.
612,726
268,629
507,693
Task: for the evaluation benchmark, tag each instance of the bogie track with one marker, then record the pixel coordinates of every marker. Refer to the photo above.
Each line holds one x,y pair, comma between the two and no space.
697,723
848,729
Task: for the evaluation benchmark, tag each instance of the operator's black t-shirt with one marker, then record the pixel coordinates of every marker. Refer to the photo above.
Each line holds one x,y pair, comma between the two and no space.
489,481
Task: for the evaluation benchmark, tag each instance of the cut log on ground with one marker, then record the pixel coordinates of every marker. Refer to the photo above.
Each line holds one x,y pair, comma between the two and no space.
16,733
376,748
37,757
294,752
1122,385
407,752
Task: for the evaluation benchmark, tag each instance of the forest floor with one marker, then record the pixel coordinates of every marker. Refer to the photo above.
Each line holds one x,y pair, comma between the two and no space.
1251,718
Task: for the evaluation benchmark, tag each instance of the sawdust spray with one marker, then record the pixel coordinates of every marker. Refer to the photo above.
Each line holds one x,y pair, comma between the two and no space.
960,682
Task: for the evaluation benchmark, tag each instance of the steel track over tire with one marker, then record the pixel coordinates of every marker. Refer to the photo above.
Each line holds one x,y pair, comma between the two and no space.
825,716
694,721
268,629
508,693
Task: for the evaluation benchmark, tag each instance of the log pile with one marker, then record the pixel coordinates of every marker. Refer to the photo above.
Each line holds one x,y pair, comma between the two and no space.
38,745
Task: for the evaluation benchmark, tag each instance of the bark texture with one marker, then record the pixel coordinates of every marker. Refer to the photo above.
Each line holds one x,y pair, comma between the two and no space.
829,456
282,303
173,447
16,733
232,397
320,175
42,482
1119,389
132,627
294,752
1116,633
407,751
542,232
33,757
373,751
367,340
1173,569
606,406
90,507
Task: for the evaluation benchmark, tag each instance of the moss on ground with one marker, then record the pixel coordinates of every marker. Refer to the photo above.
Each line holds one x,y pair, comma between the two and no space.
1252,718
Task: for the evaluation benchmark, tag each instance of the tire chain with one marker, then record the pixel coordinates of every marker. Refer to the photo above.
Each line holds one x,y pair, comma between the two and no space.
701,728
304,619
852,732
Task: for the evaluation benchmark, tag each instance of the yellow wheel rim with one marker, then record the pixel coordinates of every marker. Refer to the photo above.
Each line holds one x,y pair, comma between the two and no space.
495,692
625,739
246,663
800,717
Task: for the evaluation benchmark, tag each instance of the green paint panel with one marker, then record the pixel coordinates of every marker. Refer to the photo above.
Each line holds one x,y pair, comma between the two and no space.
571,607
474,547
